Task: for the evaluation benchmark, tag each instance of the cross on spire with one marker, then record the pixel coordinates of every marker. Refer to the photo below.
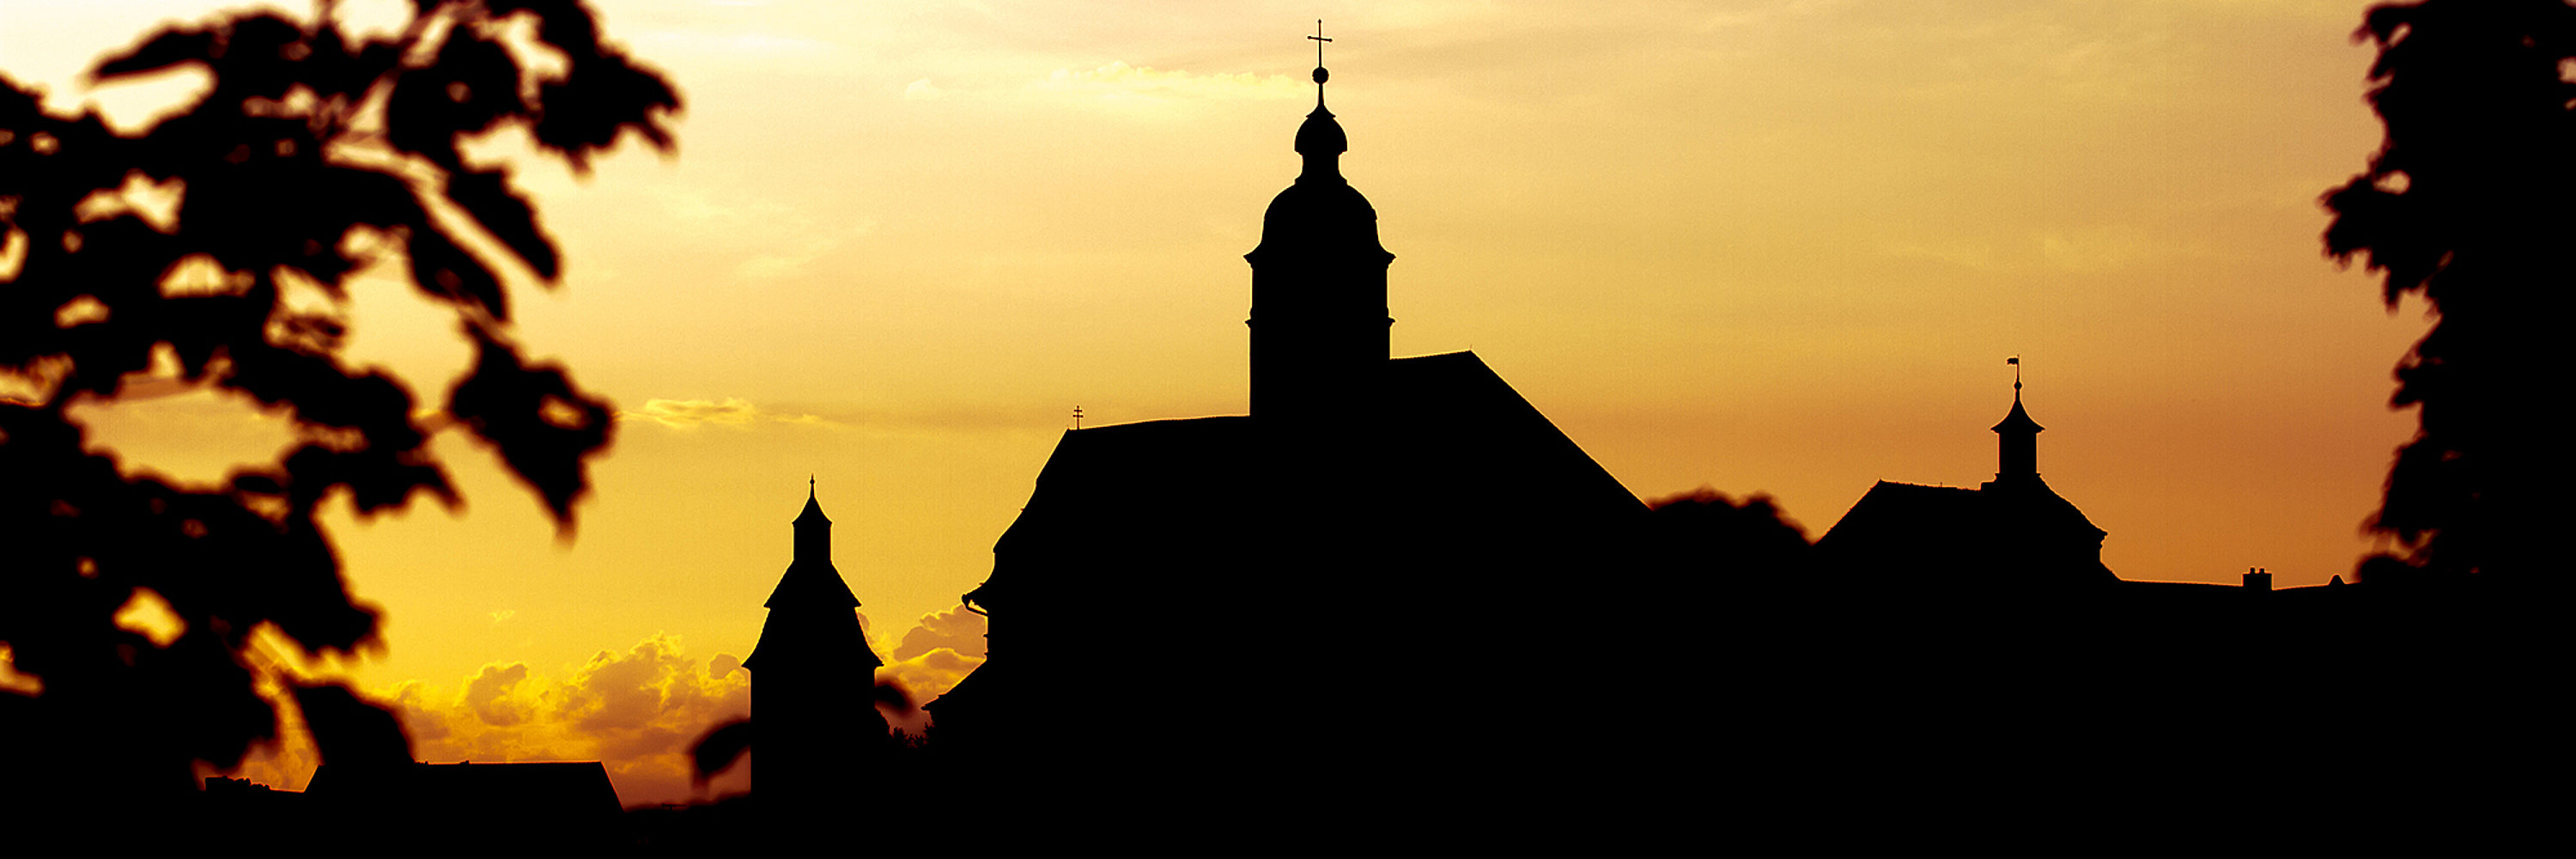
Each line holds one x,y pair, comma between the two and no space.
1320,74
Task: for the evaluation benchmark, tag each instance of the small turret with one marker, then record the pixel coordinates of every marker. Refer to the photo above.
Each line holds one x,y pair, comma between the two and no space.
2016,442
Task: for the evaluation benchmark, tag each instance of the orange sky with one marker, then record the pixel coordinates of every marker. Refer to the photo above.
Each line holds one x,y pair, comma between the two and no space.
1764,246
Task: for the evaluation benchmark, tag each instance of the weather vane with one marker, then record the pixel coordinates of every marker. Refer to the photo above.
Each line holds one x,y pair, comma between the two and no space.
1320,74
2015,361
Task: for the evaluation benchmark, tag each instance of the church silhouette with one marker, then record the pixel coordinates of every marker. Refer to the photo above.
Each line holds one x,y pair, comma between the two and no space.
1348,609
1264,572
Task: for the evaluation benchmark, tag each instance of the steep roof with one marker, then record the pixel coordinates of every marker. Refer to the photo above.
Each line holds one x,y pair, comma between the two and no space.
813,512
811,584
1459,424
809,636
2017,529
1449,445
1908,508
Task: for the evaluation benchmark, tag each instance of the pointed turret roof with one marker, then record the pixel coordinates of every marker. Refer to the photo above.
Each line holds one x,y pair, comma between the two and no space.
811,581
811,610
2018,420
813,512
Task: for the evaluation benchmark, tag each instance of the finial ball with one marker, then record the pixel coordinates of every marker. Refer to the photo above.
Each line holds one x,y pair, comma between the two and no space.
1321,75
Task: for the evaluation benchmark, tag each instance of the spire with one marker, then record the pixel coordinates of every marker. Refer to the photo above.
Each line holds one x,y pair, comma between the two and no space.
1321,139
813,512
811,578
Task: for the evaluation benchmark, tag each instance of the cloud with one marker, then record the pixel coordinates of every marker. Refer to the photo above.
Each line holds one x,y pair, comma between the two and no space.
922,90
929,675
956,629
635,710
1120,80
728,412
939,650
623,692
488,695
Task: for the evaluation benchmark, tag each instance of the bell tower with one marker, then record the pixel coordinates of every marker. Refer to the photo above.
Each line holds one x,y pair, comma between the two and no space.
813,683
1319,312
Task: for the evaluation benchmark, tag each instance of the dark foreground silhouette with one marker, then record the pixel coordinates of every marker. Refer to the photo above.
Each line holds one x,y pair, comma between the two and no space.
210,253
2466,206
1396,609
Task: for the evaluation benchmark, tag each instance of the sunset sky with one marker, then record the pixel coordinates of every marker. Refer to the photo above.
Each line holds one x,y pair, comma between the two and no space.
1777,247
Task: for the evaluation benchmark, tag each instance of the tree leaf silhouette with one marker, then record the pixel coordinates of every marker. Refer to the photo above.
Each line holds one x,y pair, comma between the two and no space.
307,159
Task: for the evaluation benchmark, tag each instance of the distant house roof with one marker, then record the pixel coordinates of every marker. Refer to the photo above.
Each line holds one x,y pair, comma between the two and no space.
570,786
2015,529
1915,507
550,802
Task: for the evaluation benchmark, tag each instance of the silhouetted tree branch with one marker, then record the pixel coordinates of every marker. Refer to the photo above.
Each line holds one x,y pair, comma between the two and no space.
2471,202
306,160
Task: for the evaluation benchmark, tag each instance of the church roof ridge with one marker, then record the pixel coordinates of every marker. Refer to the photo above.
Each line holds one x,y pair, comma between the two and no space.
1905,485
1132,425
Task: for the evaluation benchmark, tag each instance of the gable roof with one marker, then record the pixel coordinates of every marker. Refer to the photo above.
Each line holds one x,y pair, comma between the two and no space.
2017,530
1446,446
556,789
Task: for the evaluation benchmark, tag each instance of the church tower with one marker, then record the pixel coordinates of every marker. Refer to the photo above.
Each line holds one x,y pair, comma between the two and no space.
1319,313
813,678
2016,442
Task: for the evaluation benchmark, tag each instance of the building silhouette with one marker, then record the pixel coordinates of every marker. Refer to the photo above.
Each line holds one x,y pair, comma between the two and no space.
2012,535
813,678
1264,572
532,806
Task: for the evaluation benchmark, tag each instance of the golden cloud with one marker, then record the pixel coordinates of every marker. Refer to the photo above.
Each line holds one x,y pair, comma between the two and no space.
728,412
636,711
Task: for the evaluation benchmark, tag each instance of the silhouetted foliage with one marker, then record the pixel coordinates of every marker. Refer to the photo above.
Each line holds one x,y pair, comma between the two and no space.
306,159
1706,531
718,750
2468,204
